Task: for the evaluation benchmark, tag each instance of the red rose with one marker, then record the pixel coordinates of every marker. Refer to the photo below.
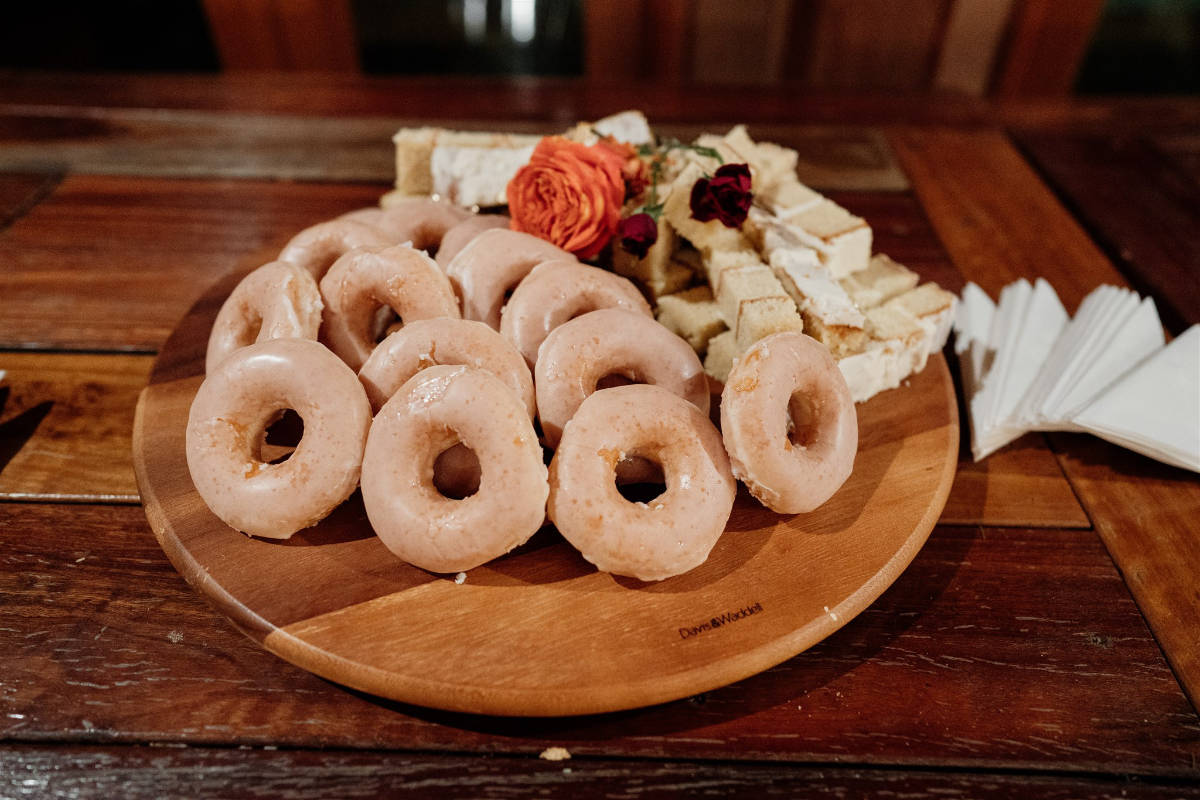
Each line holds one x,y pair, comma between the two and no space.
726,196
638,234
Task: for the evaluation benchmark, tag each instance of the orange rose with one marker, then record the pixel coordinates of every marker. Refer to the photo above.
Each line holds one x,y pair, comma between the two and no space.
633,168
568,194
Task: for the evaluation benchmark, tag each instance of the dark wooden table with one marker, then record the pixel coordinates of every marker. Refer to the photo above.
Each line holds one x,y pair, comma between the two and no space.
1045,642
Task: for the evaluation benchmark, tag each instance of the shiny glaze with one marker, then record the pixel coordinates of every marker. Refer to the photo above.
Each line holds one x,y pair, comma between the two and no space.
232,409
461,235
431,342
276,301
610,341
789,477
557,291
360,282
665,536
421,221
492,264
435,410
316,248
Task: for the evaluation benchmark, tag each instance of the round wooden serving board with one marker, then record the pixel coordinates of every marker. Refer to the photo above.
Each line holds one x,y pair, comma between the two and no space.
540,632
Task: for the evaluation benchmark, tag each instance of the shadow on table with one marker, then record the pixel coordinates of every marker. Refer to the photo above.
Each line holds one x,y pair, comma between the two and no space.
15,432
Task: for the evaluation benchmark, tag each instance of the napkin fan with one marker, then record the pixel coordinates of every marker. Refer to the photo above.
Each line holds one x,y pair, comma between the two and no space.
1027,366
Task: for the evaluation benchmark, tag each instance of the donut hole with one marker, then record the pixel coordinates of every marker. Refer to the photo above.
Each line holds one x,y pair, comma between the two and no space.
614,379
639,479
250,331
802,420
456,472
384,322
280,437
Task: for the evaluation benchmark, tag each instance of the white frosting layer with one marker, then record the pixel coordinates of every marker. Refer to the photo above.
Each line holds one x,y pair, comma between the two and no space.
627,126
794,256
476,176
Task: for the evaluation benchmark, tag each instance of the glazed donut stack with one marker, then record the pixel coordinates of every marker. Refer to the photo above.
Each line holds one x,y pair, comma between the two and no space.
438,384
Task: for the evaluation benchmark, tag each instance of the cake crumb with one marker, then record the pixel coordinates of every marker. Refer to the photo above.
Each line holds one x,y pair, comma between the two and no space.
555,754
460,578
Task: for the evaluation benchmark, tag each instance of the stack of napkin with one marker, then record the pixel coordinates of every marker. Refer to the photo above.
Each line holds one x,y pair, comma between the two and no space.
1027,366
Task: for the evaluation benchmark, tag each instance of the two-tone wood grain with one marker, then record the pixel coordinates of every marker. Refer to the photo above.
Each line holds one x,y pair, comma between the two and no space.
540,632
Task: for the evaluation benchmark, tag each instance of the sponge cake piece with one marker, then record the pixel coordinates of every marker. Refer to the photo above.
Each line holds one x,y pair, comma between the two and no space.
722,351
659,270
882,280
691,314
847,237
760,317
466,154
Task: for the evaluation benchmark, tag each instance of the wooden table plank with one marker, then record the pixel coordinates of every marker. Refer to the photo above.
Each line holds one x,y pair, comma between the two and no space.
563,101
65,426
997,648
155,772
1022,485
999,222
1182,148
178,143
112,263
21,191
1146,514
995,217
1140,206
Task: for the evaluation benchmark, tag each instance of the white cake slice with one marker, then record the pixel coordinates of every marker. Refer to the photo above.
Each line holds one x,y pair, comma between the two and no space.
882,280
475,176
847,238
415,152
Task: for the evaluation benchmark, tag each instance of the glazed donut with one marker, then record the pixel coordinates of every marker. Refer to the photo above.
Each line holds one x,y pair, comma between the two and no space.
491,265
668,535
437,408
556,291
276,301
418,220
429,342
317,247
230,414
461,234
789,423
358,283
611,341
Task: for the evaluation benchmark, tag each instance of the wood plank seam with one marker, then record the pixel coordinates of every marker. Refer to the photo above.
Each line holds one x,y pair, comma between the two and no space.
1185,778
49,183
1141,511
1124,262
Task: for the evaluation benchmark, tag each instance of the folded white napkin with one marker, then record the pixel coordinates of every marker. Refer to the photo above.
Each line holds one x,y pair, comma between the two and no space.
1154,409
1026,366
